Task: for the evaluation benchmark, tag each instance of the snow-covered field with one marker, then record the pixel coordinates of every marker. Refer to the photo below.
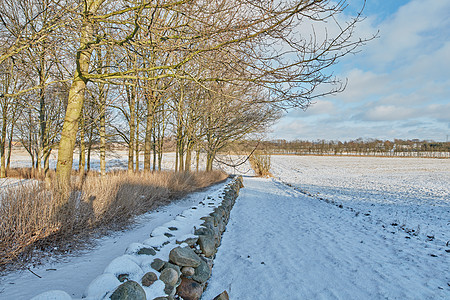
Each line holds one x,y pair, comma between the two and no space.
339,228
413,193
322,228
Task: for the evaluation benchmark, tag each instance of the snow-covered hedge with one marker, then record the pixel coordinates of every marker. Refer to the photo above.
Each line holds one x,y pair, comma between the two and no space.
176,259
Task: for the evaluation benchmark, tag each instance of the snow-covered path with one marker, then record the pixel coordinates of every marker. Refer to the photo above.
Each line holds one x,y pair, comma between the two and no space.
74,273
283,244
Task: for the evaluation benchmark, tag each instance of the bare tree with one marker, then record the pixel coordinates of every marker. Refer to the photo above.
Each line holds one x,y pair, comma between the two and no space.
266,39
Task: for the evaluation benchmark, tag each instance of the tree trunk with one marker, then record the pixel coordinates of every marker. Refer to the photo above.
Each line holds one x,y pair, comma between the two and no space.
102,131
82,159
3,143
132,125
136,145
176,157
151,103
209,161
47,153
189,148
88,156
154,149
197,159
42,124
10,138
180,142
76,100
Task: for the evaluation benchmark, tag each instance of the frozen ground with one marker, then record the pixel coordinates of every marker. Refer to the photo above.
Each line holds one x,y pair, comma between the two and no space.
413,193
74,274
323,228
283,244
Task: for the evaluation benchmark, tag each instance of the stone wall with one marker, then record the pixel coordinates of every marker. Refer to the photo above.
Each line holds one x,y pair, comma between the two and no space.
177,259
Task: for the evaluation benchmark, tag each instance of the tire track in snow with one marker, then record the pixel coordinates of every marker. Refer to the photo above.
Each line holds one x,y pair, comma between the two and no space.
283,244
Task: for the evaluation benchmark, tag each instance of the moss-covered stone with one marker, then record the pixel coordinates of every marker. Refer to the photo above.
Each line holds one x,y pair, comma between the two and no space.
130,290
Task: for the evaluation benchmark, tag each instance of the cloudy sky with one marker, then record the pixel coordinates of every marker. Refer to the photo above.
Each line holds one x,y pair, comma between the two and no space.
398,85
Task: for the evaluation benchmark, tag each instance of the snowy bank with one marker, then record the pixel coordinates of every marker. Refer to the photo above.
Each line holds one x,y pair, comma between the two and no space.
176,259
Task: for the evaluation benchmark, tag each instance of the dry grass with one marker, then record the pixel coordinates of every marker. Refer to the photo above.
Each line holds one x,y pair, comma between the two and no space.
260,163
31,221
28,173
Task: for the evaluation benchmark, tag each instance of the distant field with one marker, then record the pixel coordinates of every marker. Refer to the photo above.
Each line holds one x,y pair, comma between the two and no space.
410,192
117,159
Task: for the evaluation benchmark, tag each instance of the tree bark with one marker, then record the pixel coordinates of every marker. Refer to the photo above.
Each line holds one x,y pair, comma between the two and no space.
136,145
151,104
132,125
82,159
76,99
102,132
3,143
42,123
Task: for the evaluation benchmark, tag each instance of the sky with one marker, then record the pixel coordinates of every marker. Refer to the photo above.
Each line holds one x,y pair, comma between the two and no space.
398,84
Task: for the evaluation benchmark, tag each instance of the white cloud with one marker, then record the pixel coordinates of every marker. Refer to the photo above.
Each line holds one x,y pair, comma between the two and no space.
413,28
398,87
362,84
321,107
389,113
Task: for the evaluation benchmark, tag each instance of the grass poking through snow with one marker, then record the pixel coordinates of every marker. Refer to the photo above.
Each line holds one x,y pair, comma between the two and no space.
32,224
260,163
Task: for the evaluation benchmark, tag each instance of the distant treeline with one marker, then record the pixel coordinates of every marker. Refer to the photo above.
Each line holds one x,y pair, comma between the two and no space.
360,147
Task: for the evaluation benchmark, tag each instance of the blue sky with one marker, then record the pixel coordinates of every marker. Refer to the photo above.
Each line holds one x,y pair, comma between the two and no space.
398,85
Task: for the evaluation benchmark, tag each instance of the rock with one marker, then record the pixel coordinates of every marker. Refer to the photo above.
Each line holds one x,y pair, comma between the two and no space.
204,231
170,291
202,273
188,271
208,224
169,276
130,290
190,241
124,264
216,218
158,264
221,226
207,245
149,278
100,286
146,251
207,219
222,296
161,298
184,257
217,236
189,289
240,181
220,211
172,266
123,277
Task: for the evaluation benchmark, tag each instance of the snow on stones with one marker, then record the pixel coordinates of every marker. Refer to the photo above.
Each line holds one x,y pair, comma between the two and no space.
184,257
176,259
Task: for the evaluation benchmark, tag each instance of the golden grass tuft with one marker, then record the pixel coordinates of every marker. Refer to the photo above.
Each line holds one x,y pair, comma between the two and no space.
260,163
31,218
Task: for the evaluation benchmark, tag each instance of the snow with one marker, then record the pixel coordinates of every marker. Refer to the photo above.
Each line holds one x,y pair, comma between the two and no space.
284,242
322,228
411,192
53,295
82,275
295,247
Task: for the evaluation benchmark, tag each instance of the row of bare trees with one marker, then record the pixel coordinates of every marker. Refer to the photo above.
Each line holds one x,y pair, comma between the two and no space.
363,147
206,72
